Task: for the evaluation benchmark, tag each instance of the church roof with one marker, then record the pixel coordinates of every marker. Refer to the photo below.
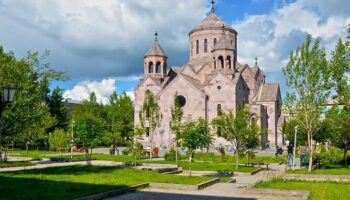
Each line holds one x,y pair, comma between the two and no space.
212,22
155,50
268,92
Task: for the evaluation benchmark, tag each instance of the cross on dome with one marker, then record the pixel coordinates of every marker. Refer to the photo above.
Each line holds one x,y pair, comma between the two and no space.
212,6
156,36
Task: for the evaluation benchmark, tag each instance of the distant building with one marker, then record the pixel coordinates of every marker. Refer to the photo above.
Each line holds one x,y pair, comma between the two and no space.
212,81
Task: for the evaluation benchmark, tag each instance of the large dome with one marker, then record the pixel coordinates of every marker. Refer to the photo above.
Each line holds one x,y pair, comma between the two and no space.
212,22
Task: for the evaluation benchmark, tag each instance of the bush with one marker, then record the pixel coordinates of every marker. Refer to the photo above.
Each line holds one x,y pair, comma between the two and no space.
171,155
138,150
126,151
222,152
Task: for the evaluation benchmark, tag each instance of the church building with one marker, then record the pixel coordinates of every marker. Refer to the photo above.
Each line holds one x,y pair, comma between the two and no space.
212,81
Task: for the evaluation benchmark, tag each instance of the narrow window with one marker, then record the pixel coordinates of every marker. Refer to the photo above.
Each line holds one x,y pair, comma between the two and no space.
150,67
205,45
197,47
191,48
147,132
219,112
158,68
229,61
221,62
214,63
215,41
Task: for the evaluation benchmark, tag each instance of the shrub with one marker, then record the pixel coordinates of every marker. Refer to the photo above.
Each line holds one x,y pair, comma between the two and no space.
138,151
126,151
222,152
155,151
171,155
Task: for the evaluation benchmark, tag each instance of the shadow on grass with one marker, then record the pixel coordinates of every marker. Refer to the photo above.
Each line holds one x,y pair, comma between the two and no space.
142,195
69,170
25,188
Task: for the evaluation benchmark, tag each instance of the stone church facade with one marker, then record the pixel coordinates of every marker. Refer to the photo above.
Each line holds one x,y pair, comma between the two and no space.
212,81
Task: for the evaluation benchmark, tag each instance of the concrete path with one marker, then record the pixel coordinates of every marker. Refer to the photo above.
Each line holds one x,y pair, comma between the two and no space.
242,189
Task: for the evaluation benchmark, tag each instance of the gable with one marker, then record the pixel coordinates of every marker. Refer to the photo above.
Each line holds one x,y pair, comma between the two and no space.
183,82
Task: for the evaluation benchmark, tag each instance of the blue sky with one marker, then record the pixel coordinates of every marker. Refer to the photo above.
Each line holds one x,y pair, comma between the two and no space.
100,44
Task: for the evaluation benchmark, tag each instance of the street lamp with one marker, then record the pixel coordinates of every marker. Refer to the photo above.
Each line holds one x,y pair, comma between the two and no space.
71,144
7,96
295,144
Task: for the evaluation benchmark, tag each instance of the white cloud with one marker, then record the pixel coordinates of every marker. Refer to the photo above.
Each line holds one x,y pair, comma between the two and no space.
103,89
271,37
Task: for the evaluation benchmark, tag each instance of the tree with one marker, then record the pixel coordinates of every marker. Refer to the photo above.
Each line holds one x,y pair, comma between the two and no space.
89,126
58,110
175,123
307,79
113,138
150,116
28,114
239,129
195,134
59,139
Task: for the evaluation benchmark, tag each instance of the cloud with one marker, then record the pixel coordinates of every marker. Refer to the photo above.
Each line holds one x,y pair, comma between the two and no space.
103,89
92,39
272,36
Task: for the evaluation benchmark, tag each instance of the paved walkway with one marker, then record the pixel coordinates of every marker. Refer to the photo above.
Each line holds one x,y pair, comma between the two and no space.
60,164
242,189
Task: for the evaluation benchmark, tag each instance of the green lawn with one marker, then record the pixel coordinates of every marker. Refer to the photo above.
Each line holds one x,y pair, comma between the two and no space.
211,157
30,153
330,169
77,181
15,164
318,190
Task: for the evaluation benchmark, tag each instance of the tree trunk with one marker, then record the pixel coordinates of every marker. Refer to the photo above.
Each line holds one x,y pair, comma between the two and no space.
176,156
237,158
190,154
90,153
5,154
151,147
345,155
311,151
27,147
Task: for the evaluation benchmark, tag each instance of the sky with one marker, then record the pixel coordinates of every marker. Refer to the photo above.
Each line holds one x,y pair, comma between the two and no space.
101,44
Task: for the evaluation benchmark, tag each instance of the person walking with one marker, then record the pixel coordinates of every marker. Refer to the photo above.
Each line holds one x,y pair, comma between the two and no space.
290,154
303,150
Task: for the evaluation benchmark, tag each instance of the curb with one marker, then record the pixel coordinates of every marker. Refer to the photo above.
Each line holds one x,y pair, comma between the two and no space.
111,193
256,171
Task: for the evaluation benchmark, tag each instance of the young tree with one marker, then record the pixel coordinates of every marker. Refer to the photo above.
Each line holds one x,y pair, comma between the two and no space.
175,123
307,80
89,126
239,129
59,139
195,134
150,116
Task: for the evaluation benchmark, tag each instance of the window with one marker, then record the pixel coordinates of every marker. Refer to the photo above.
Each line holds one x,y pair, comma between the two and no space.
215,41
147,132
221,62
229,61
180,100
205,45
218,108
150,67
158,68
191,48
214,63
197,47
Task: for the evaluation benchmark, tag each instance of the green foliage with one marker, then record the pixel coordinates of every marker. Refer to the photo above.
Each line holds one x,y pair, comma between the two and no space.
150,116
171,155
222,152
58,110
196,134
137,151
333,155
59,140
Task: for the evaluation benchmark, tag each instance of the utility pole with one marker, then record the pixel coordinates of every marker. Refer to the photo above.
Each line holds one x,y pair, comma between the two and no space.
295,145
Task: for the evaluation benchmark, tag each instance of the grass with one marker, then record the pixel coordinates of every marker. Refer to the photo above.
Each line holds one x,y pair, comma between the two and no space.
76,181
329,169
318,190
31,153
15,164
211,157
100,156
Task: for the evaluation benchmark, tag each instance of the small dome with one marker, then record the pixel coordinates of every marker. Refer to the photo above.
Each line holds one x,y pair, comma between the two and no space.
212,22
155,50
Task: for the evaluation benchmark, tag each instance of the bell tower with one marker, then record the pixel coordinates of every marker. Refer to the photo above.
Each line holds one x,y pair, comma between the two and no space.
155,60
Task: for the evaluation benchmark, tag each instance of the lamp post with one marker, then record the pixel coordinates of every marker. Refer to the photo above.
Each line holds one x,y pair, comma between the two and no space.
71,144
295,144
7,96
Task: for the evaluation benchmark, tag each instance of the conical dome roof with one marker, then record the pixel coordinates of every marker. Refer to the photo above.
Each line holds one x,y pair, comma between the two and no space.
212,22
155,50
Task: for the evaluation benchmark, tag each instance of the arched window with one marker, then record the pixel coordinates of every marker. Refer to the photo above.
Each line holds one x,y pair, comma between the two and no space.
218,109
214,62
205,45
221,62
150,67
197,47
229,61
215,41
158,68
